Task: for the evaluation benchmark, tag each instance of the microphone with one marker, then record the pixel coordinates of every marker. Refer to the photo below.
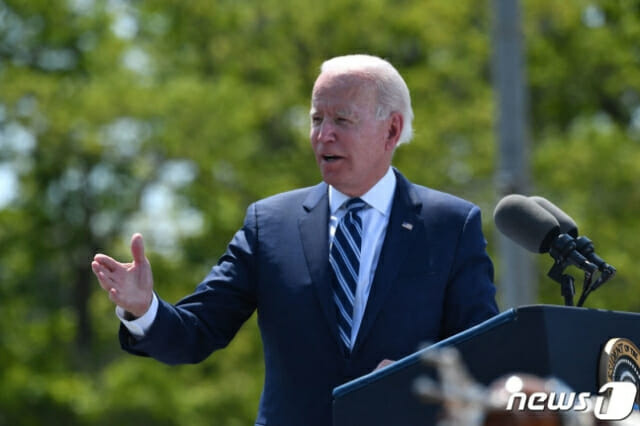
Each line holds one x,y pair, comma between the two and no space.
567,225
527,223
583,244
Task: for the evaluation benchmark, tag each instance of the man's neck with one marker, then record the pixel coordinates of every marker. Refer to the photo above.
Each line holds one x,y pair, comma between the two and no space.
378,196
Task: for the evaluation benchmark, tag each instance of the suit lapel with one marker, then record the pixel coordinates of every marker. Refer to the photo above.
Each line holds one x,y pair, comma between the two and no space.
404,225
313,225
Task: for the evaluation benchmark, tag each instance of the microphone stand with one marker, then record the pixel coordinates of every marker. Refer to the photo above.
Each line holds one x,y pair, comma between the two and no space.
606,273
585,246
567,286
563,251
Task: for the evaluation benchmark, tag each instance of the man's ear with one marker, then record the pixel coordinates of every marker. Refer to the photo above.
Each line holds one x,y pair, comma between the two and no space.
394,130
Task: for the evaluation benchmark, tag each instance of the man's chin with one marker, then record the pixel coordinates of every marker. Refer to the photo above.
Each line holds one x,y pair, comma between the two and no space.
331,174
334,180
346,187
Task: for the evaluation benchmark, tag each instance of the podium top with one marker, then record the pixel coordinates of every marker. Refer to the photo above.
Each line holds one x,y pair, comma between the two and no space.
544,332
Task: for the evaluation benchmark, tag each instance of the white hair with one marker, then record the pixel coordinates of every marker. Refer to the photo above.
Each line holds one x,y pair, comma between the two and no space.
393,93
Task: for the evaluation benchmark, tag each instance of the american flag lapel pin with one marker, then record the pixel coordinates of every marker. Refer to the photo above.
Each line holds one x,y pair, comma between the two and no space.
407,225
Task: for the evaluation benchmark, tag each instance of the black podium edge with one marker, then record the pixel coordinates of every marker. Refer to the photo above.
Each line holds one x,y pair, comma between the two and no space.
414,358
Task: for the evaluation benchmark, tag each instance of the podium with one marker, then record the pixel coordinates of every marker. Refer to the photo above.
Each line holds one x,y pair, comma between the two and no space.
564,342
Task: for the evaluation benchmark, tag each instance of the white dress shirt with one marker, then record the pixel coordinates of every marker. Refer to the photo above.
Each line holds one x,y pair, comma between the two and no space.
375,219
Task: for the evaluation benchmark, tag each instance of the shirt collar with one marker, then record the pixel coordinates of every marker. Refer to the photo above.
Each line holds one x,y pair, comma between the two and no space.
379,196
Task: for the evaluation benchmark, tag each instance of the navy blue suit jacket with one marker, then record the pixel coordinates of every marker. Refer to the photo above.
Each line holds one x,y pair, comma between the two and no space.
433,280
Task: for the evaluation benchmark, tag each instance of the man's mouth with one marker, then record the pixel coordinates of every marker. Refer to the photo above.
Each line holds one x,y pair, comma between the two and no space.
331,158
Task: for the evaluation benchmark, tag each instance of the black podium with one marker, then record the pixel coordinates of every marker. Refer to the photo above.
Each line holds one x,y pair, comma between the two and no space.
563,342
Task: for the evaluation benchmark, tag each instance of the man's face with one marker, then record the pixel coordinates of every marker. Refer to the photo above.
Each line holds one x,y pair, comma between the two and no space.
352,148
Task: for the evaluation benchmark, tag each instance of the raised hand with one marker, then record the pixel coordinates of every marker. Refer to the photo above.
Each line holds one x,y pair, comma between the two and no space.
130,285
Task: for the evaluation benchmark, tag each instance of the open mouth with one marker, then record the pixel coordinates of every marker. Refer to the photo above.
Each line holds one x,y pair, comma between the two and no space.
330,158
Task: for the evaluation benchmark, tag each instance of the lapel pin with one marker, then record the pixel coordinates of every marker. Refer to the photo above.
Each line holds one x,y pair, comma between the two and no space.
407,225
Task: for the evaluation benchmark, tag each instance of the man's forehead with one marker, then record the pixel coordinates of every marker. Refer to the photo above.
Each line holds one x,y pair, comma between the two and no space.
340,108
343,88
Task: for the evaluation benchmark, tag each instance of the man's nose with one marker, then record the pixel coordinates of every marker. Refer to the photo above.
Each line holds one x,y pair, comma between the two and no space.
326,131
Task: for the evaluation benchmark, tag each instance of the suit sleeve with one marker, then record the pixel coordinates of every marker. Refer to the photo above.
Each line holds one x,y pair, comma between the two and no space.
210,317
470,294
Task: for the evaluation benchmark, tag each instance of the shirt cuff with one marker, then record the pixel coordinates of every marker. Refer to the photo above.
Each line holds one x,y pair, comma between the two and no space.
139,326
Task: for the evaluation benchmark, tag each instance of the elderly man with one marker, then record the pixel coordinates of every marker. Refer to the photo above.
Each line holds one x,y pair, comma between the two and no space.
358,269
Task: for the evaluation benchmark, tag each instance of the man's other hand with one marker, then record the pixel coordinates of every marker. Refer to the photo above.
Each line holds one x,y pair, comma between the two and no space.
384,363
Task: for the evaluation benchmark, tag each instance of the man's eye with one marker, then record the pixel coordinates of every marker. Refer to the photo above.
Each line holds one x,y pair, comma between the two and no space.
341,120
316,120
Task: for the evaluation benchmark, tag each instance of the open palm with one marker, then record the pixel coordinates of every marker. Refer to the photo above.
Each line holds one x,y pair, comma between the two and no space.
130,285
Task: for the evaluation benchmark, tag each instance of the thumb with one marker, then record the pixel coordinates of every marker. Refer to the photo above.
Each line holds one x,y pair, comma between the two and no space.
137,248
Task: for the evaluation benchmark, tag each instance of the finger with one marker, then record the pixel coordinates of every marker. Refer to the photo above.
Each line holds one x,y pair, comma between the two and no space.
137,248
96,267
101,271
104,281
107,262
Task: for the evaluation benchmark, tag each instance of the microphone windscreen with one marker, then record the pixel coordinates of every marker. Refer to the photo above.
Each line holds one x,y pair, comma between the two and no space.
567,225
526,223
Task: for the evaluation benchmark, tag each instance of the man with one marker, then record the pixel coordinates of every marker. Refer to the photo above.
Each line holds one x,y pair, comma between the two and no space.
358,269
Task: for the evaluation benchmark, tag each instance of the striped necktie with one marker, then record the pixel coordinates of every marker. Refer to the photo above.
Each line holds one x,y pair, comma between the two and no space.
344,258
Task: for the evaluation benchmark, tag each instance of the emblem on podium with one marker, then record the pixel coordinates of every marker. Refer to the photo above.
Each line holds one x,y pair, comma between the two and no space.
620,362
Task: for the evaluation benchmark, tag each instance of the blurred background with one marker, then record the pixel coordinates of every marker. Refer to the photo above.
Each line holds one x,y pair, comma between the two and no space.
170,117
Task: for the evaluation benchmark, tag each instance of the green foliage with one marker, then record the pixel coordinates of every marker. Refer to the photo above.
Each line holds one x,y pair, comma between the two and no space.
170,117
585,102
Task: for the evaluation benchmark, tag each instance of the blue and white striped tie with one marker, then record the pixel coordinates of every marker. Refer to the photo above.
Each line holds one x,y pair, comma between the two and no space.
345,261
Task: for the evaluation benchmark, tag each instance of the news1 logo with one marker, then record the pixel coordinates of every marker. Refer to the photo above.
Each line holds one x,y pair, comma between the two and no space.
615,401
